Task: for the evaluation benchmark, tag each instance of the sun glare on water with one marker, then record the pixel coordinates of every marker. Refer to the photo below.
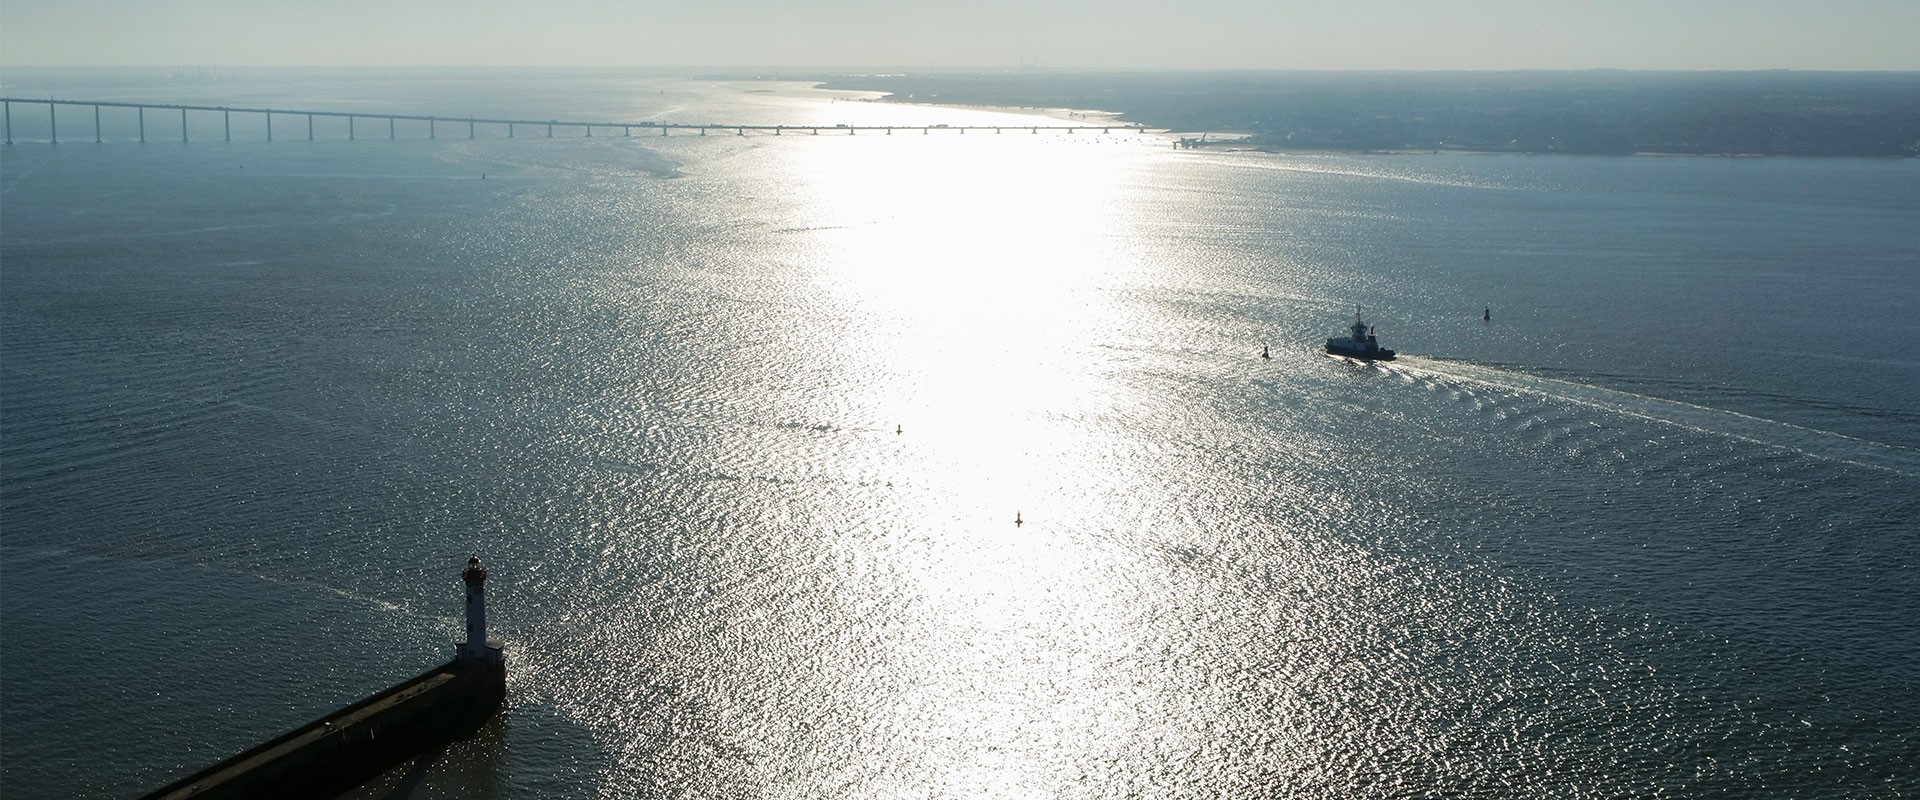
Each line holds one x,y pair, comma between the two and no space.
985,272
983,280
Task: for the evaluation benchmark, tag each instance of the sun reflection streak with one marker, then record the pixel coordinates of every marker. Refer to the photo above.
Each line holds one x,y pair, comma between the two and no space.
983,341
991,299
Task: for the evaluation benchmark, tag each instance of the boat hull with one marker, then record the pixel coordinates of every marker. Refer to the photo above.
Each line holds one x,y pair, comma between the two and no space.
1375,354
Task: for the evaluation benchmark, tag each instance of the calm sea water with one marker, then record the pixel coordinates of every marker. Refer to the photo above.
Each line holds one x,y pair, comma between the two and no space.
742,425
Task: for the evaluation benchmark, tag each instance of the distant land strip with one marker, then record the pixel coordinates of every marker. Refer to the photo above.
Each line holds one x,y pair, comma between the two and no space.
1603,112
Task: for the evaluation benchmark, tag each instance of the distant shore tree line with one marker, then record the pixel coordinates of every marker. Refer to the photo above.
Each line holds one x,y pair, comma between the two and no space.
1780,113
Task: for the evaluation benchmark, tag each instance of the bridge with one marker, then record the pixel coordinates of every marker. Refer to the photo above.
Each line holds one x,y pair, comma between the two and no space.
472,125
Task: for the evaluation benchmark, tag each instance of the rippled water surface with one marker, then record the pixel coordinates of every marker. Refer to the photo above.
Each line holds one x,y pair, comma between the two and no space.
742,426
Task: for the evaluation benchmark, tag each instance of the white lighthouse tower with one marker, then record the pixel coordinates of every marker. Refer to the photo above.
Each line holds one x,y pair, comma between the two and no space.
476,648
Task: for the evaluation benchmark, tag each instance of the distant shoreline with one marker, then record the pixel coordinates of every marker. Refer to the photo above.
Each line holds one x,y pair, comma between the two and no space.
1231,146
1724,115
1241,144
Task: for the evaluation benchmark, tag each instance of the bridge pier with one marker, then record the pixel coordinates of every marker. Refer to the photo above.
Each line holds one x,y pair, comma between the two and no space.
549,129
143,125
349,128
309,127
509,130
663,130
53,127
226,122
469,127
389,127
431,133
9,112
589,131
269,126
626,131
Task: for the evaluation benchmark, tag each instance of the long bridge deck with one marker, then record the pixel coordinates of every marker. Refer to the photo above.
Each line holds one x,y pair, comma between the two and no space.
472,125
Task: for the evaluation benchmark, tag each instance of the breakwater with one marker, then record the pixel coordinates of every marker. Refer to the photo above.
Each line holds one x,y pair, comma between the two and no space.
348,747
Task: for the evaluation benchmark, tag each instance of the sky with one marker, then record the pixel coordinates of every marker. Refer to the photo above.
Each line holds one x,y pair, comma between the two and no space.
1077,34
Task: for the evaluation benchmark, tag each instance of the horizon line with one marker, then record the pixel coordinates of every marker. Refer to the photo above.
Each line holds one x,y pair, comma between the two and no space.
899,69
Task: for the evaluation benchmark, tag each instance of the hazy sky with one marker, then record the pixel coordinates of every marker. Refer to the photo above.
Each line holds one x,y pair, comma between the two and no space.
1204,34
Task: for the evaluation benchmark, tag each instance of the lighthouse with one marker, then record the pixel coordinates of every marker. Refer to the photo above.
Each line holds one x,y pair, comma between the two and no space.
476,648
405,722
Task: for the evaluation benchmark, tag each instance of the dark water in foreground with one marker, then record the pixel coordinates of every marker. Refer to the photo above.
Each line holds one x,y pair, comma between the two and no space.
1651,531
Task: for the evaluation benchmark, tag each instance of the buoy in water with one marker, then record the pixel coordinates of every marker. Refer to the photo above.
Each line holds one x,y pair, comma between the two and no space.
1264,355
1017,522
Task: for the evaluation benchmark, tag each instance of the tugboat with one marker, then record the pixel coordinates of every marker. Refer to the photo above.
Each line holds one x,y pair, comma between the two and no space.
1361,344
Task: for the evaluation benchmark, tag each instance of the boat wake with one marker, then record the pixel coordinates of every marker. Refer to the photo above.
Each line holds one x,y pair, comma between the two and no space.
1825,445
